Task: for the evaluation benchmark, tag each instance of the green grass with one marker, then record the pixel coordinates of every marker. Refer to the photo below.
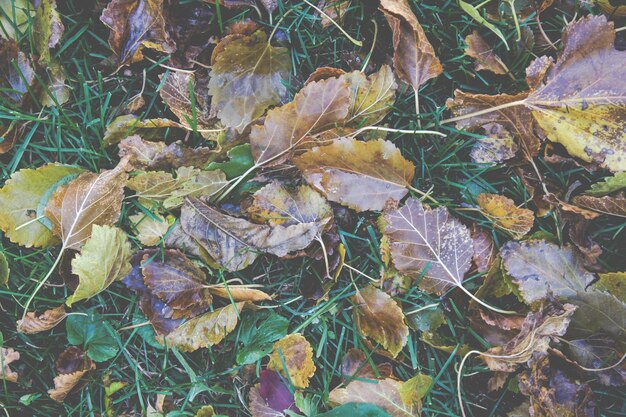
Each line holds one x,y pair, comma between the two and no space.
72,134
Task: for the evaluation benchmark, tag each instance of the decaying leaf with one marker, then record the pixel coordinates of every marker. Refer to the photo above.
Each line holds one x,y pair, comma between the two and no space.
271,397
414,389
613,283
486,58
599,311
146,155
608,185
484,248
15,17
136,24
247,77
178,282
497,146
356,365
429,244
414,59
72,365
206,330
505,215
333,9
318,106
371,97
598,353
90,199
4,270
379,317
8,356
128,125
103,259
292,356
384,393
45,321
537,331
239,293
539,268
235,243
185,95
359,175
150,229
47,29
24,197
17,73
609,205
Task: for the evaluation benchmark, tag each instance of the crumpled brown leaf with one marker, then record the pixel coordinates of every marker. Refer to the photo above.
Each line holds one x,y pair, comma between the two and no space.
72,365
147,155
177,91
45,321
135,25
8,356
17,74
612,205
486,58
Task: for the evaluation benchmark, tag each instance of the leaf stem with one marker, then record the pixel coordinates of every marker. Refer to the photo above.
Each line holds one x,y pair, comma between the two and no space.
369,55
484,111
350,38
42,282
391,130
482,303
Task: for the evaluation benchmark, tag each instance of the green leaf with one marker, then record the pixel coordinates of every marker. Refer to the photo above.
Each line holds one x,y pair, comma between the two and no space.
356,410
608,185
4,270
103,259
240,160
94,334
258,334
474,13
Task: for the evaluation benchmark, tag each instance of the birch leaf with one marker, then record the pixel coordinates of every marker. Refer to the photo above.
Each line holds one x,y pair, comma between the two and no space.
497,146
379,317
384,393
90,199
185,95
47,29
292,356
24,197
430,244
371,96
103,259
45,321
359,175
505,215
147,155
125,126
613,283
73,369
608,205
206,330
150,230
248,75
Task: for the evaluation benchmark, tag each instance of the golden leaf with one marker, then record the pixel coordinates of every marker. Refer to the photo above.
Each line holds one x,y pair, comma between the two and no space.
505,215
292,356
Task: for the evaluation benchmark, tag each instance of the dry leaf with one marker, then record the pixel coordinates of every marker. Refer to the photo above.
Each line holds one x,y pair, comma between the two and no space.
150,230
317,107
371,97
384,393
24,197
91,199
613,283
18,74
292,356
103,259
248,75
206,330
359,175
484,248
136,24
72,365
429,244
486,58
414,59
356,365
147,155
235,243
379,317
45,321
497,146
185,95
8,356
609,205
505,215
239,293
128,125
271,397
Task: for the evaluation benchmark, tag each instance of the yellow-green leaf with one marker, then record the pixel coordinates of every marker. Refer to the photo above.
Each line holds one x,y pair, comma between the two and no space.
292,356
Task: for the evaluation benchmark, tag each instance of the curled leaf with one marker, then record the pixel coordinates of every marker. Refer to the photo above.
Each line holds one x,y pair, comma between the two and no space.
72,366
8,356
142,154
485,58
125,126
45,321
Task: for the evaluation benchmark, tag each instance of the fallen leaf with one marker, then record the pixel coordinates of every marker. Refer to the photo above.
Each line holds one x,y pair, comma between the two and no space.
88,200
142,154
206,330
538,329
271,397
10,134
595,353
359,175
45,321
239,161
539,268
414,59
239,293
371,97
57,92
484,248
608,185
505,215
292,357
8,356
72,366
24,197
356,365
248,75
384,393
47,29
103,259
379,317
429,244
486,58
15,17
185,95
128,125
599,311
18,74
136,24
608,205
416,388
235,243
4,270
317,107
613,283
554,394
178,282
497,146
151,229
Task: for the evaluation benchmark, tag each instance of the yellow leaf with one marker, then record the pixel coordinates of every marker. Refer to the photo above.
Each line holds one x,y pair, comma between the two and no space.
505,215
292,356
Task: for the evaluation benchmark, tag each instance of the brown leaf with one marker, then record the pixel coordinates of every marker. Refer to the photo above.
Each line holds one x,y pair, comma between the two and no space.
10,134
17,73
414,59
86,201
136,24
235,243
356,365
537,331
497,146
8,356
609,205
484,248
379,317
505,215
384,393
248,76
45,321
292,356
317,107
177,91
72,365
178,282
359,175
125,126
429,244
486,58
159,156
